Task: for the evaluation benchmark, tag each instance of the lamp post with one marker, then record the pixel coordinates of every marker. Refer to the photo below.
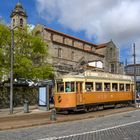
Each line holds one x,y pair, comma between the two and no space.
11,68
134,75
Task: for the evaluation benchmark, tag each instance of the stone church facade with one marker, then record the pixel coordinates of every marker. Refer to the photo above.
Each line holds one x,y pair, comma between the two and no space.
111,55
68,53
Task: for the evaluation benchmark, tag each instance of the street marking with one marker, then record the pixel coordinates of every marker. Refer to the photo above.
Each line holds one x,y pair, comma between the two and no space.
51,138
95,131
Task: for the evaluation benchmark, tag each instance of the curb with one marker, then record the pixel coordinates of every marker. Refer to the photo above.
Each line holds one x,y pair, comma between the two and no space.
43,118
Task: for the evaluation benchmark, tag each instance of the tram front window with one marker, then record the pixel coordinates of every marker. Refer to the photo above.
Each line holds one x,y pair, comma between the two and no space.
60,87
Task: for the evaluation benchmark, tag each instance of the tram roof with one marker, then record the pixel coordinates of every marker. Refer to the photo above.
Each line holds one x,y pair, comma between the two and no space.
101,75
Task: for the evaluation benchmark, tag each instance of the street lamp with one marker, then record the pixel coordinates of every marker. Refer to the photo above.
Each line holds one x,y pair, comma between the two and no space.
134,75
11,68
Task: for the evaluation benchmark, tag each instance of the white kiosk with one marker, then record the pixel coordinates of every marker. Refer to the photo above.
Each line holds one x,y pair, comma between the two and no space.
44,96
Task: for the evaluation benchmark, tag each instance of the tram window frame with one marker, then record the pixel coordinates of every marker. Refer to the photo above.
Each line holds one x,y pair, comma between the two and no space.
60,87
121,87
114,86
128,89
107,86
100,86
71,86
88,86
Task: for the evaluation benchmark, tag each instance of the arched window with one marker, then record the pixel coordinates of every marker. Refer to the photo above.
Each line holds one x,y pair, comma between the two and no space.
13,22
72,55
112,68
59,52
21,22
38,33
111,52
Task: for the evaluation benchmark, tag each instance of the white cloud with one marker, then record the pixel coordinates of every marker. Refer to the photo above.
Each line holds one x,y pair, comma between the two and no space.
107,19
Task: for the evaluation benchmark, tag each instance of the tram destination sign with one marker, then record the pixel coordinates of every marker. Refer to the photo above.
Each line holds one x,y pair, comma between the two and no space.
108,75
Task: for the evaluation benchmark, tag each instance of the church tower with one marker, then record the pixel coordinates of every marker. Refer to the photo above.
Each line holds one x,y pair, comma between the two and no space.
18,16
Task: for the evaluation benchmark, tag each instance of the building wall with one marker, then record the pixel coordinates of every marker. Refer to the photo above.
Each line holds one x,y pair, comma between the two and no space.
112,63
67,52
129,69
71,53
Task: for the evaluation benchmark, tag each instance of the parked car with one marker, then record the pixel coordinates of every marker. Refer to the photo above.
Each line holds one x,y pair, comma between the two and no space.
16,82
30,82
20,82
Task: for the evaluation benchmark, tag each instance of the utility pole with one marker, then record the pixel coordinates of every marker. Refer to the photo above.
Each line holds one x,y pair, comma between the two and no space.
11,70
134,74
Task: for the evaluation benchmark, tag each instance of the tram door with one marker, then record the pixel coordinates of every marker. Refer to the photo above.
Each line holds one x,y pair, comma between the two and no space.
79,92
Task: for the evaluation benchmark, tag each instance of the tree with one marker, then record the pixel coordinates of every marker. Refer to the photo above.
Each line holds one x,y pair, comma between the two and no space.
4,50
30,54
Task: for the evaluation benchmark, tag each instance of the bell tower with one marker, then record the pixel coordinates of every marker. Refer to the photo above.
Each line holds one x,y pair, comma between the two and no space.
18,16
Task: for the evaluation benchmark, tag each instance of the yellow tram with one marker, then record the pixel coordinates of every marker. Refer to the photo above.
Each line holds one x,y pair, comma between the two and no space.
91,90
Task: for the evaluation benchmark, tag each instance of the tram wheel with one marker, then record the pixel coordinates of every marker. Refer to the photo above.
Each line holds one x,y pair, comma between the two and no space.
86,109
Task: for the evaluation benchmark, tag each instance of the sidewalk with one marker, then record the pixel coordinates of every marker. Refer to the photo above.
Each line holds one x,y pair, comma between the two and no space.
20,110
19,119
16,111
37,117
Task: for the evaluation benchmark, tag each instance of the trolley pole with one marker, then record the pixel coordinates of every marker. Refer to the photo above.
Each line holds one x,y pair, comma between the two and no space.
134,75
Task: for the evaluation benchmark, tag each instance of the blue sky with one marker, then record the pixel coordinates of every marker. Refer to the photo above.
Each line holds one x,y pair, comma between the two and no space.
96,21
34,17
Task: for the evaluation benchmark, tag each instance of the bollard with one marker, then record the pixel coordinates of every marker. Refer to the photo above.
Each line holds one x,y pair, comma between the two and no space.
53,115
26,106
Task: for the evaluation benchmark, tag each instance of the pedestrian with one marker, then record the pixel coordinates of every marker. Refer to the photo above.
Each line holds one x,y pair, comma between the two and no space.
68,89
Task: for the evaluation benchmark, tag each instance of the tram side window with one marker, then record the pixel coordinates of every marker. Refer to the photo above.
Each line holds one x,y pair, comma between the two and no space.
114,86
107,86
88,86
60,87
121,87
98,86
69,86
132,87
127,87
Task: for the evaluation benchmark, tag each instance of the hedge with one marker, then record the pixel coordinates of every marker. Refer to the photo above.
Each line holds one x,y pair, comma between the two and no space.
20,94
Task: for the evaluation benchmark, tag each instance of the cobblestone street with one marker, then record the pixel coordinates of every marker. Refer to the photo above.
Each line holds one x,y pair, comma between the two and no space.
122,132
118,126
